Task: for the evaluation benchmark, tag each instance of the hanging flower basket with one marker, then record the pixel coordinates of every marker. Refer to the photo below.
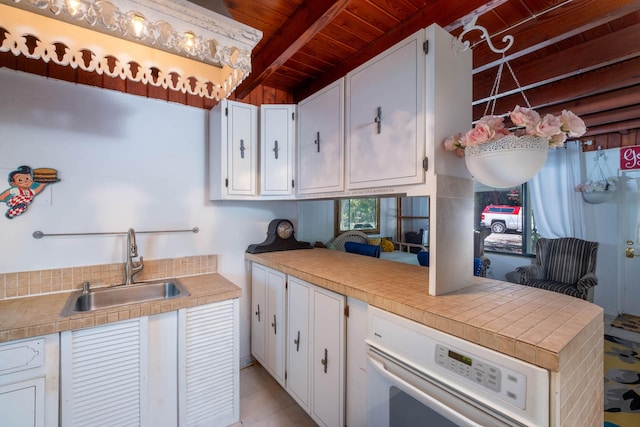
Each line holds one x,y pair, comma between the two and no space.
596,198
600,186
508,161
596,192
504,157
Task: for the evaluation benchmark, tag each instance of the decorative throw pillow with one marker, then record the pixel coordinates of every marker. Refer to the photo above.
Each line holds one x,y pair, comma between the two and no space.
386,245
373,241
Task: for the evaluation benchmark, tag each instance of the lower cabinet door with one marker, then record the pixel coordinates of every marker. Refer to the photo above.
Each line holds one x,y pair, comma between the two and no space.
103,375
328,359
299,342
209,376
22,403
259,313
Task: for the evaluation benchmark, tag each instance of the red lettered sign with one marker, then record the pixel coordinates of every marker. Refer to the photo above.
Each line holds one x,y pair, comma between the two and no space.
630,158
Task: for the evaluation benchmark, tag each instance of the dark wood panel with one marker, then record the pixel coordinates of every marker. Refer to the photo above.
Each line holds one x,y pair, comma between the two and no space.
613,77
436,11
355,26
600,52
373,15
306,22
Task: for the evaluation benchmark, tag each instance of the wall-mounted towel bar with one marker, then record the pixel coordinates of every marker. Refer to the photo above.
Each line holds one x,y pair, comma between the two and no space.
39,234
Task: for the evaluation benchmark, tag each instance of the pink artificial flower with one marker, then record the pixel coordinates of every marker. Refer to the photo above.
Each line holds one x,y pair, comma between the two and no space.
522,116
494,122
480,134
558,140
572,124
548,126
453,142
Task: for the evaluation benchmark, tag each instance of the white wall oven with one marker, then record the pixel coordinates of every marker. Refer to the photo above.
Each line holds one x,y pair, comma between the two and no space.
418,376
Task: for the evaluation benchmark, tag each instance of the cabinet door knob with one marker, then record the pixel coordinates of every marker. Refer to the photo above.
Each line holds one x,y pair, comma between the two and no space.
324,362
274,325
242,148
258,312
297,342
275,149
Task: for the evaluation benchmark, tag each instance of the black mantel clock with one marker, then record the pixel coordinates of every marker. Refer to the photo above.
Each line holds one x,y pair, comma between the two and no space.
280,237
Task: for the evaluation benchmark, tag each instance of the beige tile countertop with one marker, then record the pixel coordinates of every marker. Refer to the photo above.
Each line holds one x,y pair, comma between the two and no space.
38,315
541,327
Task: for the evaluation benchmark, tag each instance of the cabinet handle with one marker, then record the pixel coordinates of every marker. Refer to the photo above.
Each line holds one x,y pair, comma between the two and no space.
297,342
275,149
378,119
274,325
258,312
317,141
325,361
242,148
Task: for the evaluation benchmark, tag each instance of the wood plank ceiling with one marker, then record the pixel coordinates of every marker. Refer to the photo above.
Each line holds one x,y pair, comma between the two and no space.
582,55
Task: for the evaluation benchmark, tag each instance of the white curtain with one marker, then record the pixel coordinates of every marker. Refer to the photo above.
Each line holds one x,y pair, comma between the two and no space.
558,209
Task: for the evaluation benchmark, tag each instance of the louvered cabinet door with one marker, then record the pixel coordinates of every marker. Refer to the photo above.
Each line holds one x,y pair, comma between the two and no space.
103,375
209,365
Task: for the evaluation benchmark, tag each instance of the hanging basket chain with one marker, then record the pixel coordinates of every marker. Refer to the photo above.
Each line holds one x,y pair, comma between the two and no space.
493,95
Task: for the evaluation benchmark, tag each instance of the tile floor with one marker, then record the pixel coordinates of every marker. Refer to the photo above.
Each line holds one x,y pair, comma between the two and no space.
264,403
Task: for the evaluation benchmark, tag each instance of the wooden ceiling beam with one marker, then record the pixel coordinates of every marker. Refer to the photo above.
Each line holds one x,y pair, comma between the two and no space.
307,21
607,101
441,12
600,52
619,127
553,27
613,77
624,114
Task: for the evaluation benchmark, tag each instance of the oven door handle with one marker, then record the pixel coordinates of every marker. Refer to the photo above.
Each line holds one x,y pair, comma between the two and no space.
433,402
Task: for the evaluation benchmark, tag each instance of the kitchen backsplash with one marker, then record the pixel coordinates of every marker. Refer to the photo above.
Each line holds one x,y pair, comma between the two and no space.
40,282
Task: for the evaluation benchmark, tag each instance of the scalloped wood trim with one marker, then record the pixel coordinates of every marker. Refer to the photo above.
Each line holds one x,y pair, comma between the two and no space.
50,40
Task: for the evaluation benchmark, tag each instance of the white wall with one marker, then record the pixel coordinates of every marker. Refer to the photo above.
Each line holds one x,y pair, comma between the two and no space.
124,161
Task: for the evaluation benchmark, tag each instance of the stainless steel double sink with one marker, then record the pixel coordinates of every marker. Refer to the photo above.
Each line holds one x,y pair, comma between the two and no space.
90,300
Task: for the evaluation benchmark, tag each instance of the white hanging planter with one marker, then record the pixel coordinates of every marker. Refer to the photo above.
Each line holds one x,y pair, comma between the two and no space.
597,197
508,161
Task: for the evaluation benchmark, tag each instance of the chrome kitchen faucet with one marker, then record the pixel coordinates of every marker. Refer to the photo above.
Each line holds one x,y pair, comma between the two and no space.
132,268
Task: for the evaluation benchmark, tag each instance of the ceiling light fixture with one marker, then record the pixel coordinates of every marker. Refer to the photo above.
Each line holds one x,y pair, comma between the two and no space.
195,43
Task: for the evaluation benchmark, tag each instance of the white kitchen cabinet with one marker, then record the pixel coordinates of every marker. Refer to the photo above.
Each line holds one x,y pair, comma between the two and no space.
316,351
400,106
320,144
268,319
209,365
29,382
104,375
277,140
385,125
233,151
299,341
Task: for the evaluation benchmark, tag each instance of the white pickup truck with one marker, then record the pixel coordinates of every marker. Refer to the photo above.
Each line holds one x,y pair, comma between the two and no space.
500,218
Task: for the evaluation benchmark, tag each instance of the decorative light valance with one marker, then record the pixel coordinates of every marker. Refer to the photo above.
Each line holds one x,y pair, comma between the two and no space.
168,43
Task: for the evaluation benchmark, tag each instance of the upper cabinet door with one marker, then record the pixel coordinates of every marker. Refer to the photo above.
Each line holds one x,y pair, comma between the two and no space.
277,132
233,150
321,141
385,135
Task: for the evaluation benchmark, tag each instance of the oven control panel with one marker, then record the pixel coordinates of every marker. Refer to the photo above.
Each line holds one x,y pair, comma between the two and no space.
508,385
